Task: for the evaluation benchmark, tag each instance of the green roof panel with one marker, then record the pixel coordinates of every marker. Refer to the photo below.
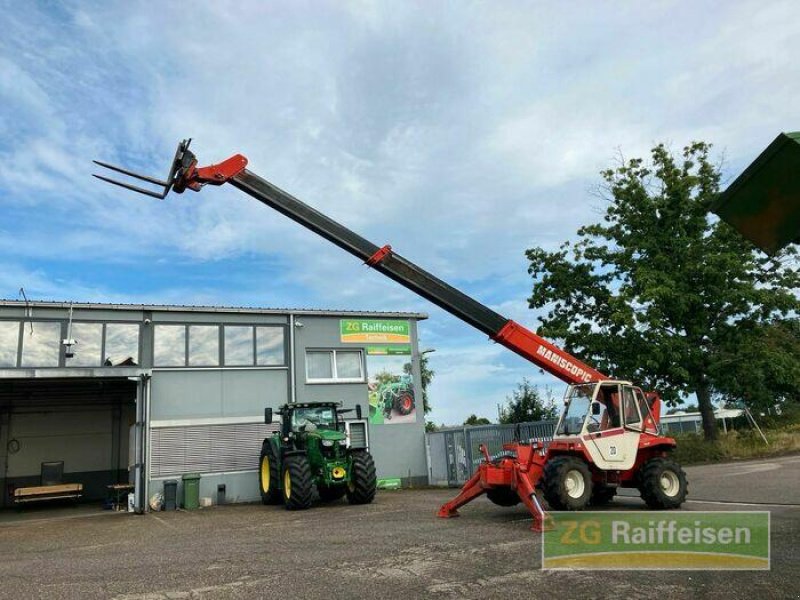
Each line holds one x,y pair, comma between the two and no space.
763,203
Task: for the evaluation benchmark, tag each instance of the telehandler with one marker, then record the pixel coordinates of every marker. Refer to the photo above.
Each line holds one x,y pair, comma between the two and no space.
607,436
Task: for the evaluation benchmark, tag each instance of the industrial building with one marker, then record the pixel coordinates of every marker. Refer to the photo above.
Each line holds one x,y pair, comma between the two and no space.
141,394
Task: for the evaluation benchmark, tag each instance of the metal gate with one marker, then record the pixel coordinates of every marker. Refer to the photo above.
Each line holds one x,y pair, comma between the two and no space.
453,454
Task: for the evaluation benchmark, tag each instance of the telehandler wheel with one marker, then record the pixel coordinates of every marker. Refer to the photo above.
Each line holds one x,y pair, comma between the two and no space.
268,476
503,496
332,493
662,483
567,483
404,403
602,494
363,480
298,487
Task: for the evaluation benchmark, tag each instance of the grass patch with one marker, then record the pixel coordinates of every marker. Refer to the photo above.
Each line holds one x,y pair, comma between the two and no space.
737,445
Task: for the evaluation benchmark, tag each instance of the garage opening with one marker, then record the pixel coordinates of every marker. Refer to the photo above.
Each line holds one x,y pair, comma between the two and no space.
73,437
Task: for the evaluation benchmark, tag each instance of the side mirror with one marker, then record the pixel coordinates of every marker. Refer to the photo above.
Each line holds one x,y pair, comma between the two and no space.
358,411
268,416
595,409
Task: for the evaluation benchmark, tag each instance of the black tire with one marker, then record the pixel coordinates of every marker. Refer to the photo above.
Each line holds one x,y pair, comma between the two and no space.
363,480
602,494
562,485
332,493
503,496
270,494
662,484
404,403
299,493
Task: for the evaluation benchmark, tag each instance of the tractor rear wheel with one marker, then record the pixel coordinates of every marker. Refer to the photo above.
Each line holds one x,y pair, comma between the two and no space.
602,494
331,493
567,483
363,480
662,483
269,475
298,487
404,403
503,496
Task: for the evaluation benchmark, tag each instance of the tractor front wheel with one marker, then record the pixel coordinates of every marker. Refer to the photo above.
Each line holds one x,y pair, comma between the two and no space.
363,480
298,487
268,475
662,483
567,483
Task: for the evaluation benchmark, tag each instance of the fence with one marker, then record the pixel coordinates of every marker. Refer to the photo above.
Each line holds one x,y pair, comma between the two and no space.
453,454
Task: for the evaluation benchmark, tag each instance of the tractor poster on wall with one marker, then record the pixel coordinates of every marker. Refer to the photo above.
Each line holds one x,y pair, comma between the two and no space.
392,398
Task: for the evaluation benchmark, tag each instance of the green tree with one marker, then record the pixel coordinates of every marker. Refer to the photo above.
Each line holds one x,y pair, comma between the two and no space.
476,420
768,372
660,292
526,404
427,377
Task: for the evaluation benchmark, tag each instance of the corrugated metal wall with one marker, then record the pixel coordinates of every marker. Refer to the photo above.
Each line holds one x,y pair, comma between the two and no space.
206,448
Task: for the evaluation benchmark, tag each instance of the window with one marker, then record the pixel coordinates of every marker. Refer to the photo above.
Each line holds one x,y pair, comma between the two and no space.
644,409
239,346
122,344
9,343
630,408
41,344
88,346
348,365
169,346
334,366
319,365
269,346
203,346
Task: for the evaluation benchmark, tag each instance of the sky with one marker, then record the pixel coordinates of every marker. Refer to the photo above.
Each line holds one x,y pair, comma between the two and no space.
462,133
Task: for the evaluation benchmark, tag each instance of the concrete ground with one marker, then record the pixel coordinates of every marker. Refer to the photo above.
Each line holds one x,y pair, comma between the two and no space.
394,548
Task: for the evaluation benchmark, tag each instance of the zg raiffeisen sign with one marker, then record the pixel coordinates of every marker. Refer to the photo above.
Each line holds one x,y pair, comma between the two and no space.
660,540
375,331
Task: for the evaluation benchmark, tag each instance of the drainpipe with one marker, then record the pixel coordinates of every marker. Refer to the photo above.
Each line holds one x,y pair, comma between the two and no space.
292,374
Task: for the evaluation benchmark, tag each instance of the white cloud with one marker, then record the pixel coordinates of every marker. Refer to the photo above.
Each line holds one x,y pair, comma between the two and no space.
460,135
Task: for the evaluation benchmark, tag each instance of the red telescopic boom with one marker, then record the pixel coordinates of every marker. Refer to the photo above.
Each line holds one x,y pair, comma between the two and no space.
185,174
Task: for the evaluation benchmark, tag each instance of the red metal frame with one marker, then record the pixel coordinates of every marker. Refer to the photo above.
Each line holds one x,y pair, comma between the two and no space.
519,473
379,256
196,177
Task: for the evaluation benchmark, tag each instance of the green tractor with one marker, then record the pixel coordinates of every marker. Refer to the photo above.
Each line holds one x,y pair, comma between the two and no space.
397,395
309,459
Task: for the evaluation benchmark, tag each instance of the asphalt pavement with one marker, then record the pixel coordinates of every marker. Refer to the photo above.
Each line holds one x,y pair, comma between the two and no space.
394,548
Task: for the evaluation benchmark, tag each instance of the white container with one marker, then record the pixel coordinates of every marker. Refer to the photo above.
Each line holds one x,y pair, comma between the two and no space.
131,502
205,502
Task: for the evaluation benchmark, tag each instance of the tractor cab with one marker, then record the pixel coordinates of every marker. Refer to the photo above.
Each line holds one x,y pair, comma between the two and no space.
302,418
605,420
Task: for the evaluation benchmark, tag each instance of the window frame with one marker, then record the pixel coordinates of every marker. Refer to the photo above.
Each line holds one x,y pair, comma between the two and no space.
334,369
18,349
223,361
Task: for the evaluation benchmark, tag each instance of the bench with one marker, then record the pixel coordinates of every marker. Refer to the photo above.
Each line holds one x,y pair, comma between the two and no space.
48,492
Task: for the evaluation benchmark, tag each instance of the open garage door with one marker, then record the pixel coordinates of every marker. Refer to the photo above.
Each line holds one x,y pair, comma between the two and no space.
87,433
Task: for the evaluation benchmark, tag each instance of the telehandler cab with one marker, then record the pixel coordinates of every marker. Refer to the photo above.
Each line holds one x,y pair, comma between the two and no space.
607,436
309,458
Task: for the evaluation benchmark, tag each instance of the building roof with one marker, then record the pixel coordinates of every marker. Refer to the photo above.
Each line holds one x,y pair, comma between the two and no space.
212,309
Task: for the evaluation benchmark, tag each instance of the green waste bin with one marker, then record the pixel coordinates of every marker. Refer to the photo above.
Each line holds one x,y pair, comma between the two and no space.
191,491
